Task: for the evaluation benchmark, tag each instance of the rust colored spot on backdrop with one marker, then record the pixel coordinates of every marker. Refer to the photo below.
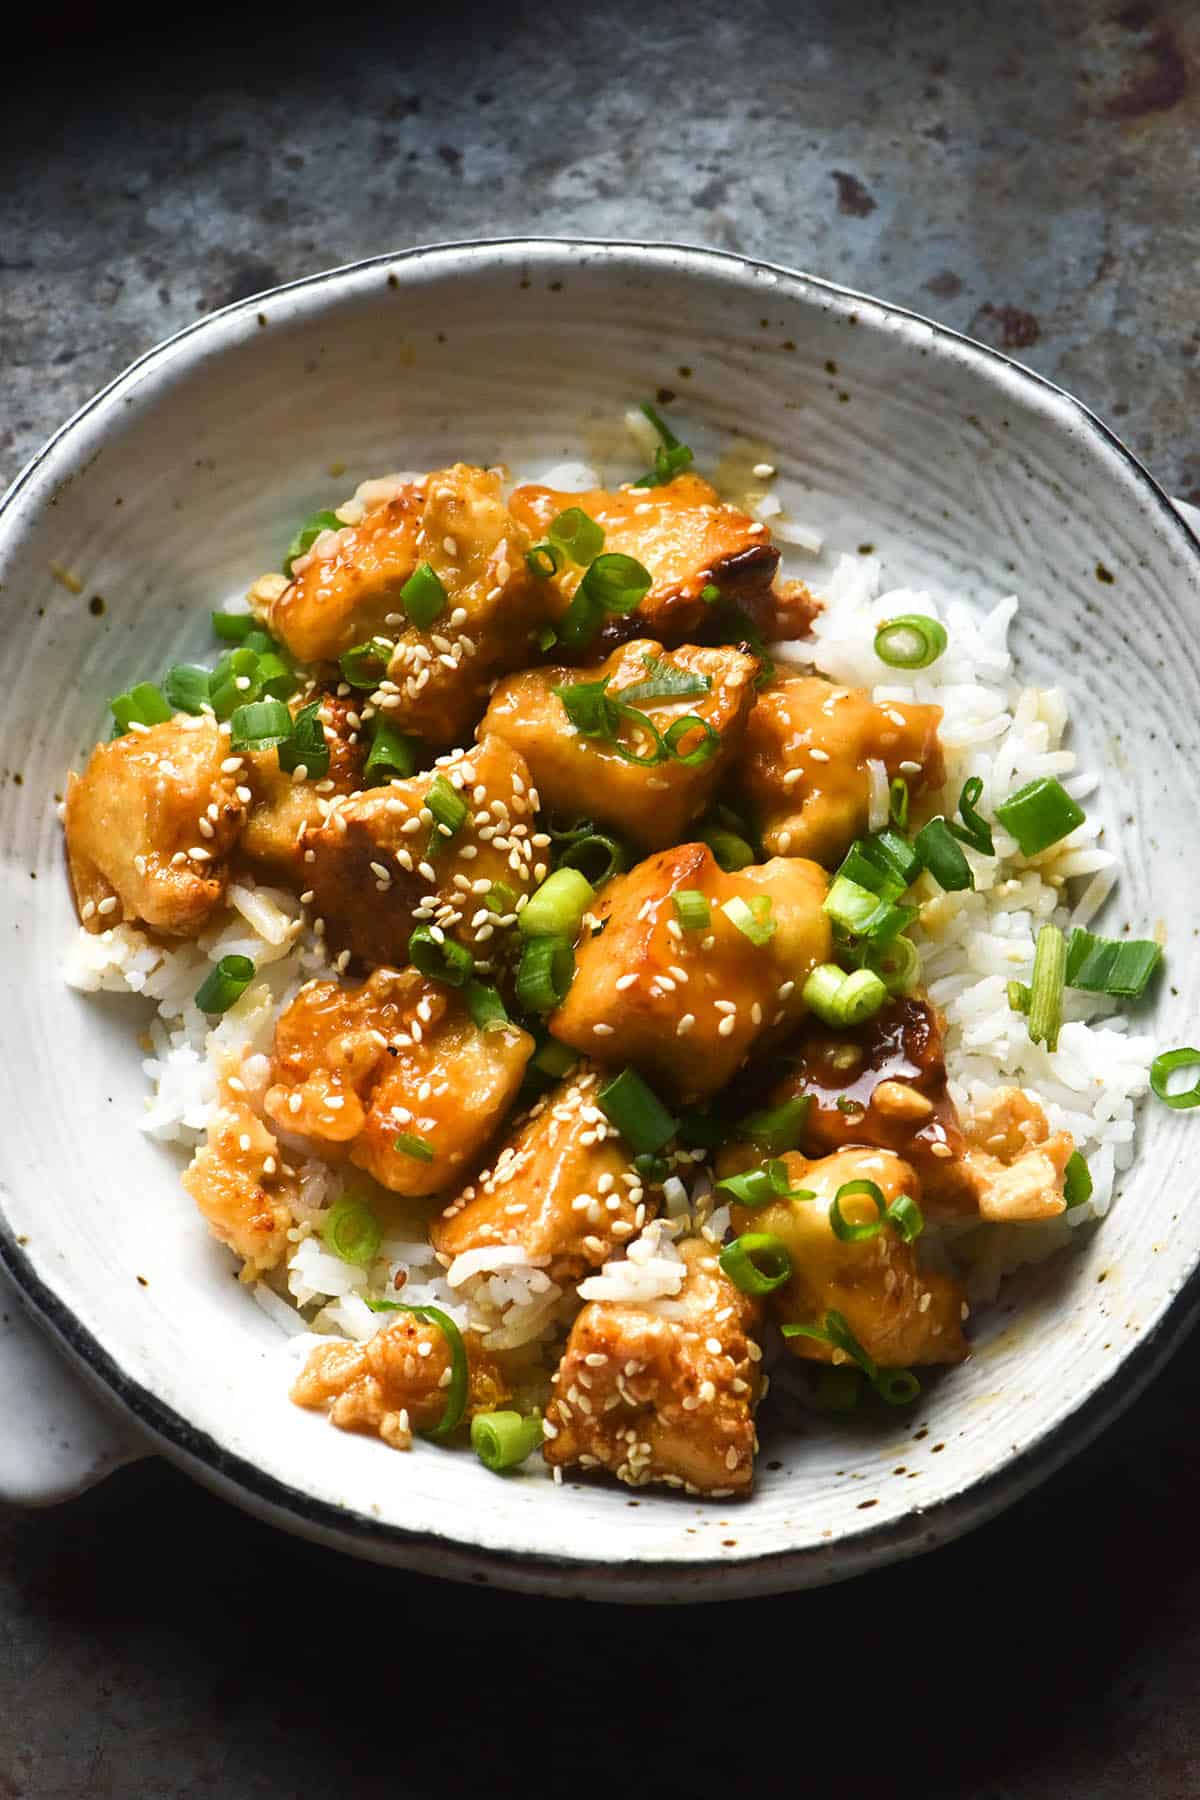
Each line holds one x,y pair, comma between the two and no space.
1162,80
1009,327
852,197
947,285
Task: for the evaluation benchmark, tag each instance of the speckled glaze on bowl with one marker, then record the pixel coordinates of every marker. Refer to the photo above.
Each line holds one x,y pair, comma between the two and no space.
178,484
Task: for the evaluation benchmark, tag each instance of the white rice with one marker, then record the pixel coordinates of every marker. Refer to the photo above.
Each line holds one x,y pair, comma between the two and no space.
972,944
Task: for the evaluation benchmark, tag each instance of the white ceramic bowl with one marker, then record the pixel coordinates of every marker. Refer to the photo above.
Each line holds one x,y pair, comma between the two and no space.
181,482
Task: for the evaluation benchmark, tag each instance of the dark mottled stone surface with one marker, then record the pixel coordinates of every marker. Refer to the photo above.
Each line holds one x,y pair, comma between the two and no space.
1027,172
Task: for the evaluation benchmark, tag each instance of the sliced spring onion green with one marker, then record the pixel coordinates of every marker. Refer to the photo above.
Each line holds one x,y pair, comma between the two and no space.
910,641
224,984
895,1386
234,681
777,1128
587,705
864,914
546,638
365,665
1019,996
543,560
579,536
1077,1181
616,582
941,855
447,805
637,1112
260,726
898,803
500,899
300,545
1118,966
276,678
307,747
885,864
897,963
597,855
652,1168
487,1009
1046,988
710,592
670,459
730,851
351,1230
544,976
1161,1070
423,596
185,688
665,681
692,909
553,1058
142,705
702,750
906,1218
439,957
1039,814
757,1262
845,1230
460,1368
502,1440
393,755
752,918
763,1186
841,999
974,830
233,627
408,1143
556,908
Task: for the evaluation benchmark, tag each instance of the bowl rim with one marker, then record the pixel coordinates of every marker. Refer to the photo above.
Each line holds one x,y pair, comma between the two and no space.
635,1579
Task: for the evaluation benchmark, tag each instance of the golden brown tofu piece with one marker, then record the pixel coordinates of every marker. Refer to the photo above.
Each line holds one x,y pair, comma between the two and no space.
357,1068
347,588
684,534
687,1006
563,1186
396,1383
283,811
150,824
1014,1167
900,1314
584,776
238,1184
372,875
883,1084
804,768
667,1396
441,674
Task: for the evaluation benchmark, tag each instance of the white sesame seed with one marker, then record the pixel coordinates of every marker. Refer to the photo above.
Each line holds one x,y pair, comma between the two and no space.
685,1024
727,1026
107,906
602,1030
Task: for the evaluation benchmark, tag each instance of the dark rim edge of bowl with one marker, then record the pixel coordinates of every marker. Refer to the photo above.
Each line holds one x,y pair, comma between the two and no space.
869,1546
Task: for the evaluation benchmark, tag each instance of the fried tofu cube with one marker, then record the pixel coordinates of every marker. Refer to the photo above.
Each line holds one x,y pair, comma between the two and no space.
563,1187
806,764
654,1391
1014,1166
150,824
283,811
397,1382
356,1069
900,1313
683,533
373,875
346,589
687,1006
237,1182
579,776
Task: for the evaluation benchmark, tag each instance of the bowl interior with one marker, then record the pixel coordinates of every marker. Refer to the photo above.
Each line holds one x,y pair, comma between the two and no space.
173,491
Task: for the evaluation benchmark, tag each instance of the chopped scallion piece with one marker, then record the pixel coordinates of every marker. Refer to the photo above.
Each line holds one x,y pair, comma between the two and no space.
545,974
500,899
440,958
896,1386
447,805
777,1128
730,851
1163,1067
365,665
763,1186
885,864
752,918
1118,966
702,749
974,830
300,545
502,1440
898,803
1046,988
692,909
234,627
306,748
234,681
393,755
1039,814
142,705
581,621
543,560
351,1230
578,535
670,459
556,909
224,984
616,582
896,962
553,1058
587,705
423,596
911,641
485,1006
757,1262
1019,996
906,1218
665,681
1077,1181
865,914
408,1143
637,1112
260,725
546,638
596,855
710,593
941,855
841,999
460,1369
848,1231
185,688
